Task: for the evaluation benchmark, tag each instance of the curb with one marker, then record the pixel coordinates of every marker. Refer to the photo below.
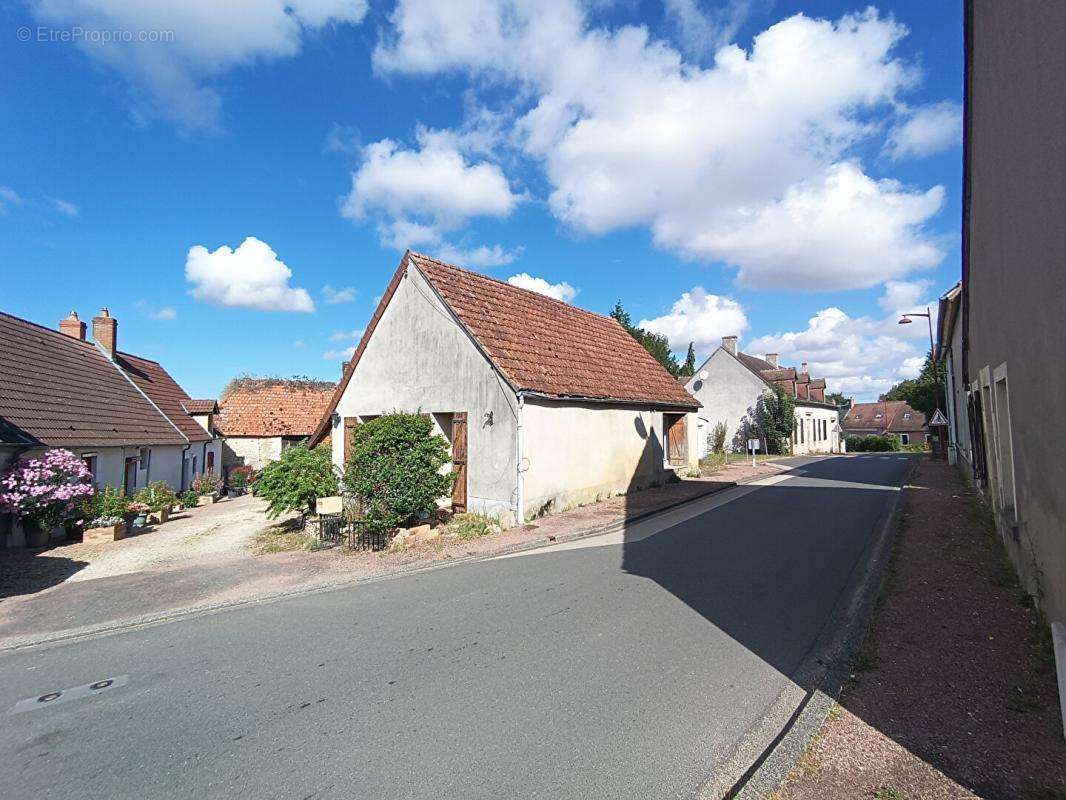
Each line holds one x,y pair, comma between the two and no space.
116,626
796,715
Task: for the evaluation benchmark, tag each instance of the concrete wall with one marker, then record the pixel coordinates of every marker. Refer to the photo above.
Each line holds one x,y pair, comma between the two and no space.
812,441
1015,282
578,453
252,451
729,393
420,359
961,451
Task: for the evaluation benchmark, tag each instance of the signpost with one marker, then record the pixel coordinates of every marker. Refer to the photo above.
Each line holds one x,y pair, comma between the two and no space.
939,423
753,445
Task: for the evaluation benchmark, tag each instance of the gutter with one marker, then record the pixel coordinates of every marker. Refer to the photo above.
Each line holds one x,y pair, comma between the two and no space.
519,457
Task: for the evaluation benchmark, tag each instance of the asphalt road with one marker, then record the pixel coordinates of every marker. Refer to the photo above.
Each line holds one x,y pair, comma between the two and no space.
624,667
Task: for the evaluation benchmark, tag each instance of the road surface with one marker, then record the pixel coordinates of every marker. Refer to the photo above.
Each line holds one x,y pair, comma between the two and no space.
625,666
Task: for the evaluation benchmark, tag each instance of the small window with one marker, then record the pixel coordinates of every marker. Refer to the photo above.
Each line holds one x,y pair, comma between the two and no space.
144,456
90,464
904,438
858,416
906,415
878,416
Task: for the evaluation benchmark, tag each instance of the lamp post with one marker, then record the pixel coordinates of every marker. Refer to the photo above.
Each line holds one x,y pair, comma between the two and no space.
906,320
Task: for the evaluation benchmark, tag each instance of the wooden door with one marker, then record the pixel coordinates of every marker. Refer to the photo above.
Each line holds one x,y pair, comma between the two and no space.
350,424
675,438
459,459
129,481
210,462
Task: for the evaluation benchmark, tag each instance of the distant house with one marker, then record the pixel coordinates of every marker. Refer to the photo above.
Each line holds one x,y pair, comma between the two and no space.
125,415
887,417
260,417
729,384
546,406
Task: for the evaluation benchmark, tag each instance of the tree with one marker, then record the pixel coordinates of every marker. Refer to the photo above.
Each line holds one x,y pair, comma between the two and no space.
776,417
688,369
655,343
395,469
297,480
836,398
924,392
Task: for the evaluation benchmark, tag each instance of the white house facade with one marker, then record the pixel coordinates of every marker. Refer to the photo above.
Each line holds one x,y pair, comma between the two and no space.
546,406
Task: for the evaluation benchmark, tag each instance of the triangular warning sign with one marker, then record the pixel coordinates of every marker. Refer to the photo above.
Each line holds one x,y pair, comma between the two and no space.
938,418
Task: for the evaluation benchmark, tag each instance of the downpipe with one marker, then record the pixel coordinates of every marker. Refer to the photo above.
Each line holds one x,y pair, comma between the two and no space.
520,477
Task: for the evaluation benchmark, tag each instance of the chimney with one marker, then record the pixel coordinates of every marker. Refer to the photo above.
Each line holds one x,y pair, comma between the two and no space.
803,367
72,326
729,343
771,358
105,332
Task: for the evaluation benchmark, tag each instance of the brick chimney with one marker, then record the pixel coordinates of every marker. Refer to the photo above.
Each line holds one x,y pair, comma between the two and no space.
105,332
72,326
729,343
771,359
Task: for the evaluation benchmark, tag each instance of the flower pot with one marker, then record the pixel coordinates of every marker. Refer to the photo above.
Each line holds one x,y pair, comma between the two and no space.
206,500
36,536
160,516
110,533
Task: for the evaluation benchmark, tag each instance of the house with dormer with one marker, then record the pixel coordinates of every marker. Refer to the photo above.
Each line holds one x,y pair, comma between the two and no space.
730,382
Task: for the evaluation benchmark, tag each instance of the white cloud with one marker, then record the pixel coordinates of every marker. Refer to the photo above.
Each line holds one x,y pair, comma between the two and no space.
559,291
8,197
480,256
188,45
335,296
339,355
700,318
150,311
702,30
859,356
343,139
749,161
927,130
252,276
64,207
340,336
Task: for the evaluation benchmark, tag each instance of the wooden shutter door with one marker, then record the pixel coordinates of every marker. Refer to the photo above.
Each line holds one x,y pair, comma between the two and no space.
675,435
459,462
350,424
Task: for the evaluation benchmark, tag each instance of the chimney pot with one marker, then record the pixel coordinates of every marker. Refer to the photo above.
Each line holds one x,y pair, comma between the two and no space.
771,359
72,326
729,343
105,332
803,367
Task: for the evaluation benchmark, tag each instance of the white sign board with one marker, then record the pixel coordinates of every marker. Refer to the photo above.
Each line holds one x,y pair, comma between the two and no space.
938,419
753,444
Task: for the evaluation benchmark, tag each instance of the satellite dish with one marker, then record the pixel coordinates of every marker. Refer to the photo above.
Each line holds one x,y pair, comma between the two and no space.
703,375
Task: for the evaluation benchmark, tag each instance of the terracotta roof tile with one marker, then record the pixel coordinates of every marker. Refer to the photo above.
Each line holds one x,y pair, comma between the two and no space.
550,347
863,416
63,391
200,406
288,408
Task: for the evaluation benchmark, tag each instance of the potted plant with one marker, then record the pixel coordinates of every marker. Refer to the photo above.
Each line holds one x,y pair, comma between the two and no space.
45,492
206,487
159,498
189,499
238,481
137,516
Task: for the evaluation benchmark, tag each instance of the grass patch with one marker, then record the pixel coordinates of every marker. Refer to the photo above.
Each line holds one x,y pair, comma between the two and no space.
471,526
888,793
284,539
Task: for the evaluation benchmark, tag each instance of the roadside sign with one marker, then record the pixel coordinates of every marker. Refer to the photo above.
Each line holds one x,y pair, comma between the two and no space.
753,444
938,418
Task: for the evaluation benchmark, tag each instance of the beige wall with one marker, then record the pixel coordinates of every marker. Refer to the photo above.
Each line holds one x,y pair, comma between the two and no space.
420,360
728,394
1015,281
580,453
251,451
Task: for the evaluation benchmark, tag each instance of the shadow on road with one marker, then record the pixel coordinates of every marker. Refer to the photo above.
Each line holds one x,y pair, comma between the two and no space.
24,573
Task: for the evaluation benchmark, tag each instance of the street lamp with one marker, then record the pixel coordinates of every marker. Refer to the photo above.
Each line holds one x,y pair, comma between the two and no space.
906,320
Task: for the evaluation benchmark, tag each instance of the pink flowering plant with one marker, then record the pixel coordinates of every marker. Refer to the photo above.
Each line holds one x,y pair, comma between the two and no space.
48,490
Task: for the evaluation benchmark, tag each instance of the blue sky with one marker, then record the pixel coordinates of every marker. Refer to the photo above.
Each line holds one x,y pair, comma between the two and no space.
789,172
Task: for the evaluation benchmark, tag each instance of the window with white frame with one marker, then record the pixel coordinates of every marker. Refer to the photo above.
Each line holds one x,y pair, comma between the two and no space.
1004,443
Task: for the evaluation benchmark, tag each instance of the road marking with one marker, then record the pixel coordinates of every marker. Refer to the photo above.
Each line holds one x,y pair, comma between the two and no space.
55,698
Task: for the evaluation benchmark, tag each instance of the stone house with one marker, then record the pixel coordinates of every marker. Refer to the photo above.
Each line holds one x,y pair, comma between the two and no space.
260,417
728,386
546,406
123,414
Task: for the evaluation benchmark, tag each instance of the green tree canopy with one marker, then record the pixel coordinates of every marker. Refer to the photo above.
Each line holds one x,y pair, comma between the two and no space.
297,480
688,369
836,398
776,417
655,343
395,469
923,393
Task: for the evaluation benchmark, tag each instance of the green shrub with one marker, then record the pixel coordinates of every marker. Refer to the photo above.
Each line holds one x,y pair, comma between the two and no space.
106,505
207,483
716,438
239,478
189,498
157,495
394,472
297,480
471,526
873,444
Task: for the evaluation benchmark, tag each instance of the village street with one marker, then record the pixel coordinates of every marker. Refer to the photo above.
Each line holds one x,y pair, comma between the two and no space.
628,665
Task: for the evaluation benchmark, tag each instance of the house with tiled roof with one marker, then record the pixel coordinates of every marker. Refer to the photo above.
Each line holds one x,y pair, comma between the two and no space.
729,385
260,417
546,405
125,415
885,417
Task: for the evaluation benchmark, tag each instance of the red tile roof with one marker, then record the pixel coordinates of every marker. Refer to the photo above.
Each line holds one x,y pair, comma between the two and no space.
792,382
200,406
863,417
273,408
63,391
540,345
164,391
